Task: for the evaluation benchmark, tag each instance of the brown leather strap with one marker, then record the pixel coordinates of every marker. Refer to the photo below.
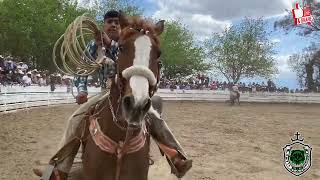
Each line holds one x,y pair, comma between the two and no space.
119,164
68,149
57,174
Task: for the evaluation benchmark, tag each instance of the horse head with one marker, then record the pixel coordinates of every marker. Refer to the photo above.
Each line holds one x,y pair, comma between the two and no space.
138,66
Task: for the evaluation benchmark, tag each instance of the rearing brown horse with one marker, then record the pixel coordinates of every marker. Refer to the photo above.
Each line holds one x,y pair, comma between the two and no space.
118,145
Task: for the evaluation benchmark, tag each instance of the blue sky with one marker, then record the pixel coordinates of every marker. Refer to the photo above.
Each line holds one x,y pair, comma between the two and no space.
203,17
149,6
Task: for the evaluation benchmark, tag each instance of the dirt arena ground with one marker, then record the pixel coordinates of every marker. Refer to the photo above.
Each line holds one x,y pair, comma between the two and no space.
226,143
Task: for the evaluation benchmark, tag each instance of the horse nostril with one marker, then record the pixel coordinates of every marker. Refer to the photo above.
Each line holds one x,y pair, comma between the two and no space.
128,102
146,105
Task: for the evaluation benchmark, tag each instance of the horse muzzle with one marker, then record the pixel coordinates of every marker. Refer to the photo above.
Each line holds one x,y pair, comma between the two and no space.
134,112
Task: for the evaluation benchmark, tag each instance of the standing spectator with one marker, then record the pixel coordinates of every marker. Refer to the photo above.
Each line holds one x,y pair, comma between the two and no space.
52,83
269,85
25,67
19,66
9,65
254,88
224,85
27,79
1,62
2,76
37,79
68,83
34,76
20,76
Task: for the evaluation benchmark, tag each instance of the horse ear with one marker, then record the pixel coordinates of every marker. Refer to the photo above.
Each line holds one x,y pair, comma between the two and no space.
123,20
159,27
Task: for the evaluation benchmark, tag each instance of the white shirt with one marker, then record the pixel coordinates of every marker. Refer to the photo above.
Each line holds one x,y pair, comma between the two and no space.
25,67
235,88
29,81
25,78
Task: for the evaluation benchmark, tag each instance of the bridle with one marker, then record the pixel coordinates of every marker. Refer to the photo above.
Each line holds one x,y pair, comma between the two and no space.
119,84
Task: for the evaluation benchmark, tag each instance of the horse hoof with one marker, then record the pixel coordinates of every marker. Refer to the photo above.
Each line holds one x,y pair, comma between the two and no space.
37,172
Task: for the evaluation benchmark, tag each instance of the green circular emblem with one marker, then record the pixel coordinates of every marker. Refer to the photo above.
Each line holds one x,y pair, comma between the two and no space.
297,157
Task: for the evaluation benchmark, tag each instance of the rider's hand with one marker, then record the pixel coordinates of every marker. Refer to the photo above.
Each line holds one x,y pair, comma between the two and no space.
82,98
99,36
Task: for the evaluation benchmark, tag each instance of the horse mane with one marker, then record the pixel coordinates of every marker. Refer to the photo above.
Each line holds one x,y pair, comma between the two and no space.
136,23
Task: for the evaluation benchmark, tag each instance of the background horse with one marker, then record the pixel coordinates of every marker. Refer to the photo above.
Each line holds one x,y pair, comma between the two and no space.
234,96
121,116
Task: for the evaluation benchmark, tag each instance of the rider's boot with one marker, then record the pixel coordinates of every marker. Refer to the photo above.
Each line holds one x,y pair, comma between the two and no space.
168,145
56,175
63,161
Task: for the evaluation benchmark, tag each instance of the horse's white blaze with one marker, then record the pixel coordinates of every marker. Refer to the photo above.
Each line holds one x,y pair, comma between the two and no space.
140,88
142,51
140,84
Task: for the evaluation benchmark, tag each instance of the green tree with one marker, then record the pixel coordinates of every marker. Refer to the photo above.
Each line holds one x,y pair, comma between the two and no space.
100,7
180,56
303,65
31,28
242,51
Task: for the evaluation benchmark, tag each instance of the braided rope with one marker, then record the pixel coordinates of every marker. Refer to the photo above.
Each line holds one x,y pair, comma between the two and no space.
70,55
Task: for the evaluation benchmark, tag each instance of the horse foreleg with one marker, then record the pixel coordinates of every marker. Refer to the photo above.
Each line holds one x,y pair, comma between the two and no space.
231,102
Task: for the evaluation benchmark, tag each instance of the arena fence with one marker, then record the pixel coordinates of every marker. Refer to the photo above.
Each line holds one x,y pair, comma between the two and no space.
15,98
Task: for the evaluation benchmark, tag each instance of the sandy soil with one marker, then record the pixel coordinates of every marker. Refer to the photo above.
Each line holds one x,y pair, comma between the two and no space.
226,143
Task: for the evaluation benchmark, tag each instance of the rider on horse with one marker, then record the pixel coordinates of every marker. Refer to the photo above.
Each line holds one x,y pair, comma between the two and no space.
235,89
161,133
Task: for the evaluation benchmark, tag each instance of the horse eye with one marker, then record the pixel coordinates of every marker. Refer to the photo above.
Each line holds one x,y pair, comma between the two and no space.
120,47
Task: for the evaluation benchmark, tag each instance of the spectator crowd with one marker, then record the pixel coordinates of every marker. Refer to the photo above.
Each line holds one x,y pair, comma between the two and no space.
13,72
201,82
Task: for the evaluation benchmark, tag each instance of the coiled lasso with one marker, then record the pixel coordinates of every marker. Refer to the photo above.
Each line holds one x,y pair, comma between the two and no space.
70,54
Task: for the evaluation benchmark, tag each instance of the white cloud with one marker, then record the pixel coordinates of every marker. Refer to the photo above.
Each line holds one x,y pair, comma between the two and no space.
282,63
202,25
207,16
227,9
275,40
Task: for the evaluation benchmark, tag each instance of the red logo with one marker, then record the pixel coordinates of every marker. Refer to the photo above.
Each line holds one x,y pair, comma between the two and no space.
302,15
